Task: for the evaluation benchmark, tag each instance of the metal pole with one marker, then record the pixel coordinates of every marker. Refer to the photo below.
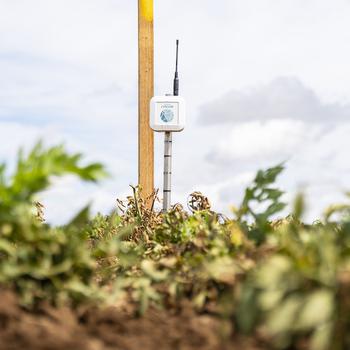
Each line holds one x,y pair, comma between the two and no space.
167,171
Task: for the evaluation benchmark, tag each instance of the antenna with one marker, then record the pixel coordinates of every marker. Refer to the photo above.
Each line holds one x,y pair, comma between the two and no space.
176,79
168,116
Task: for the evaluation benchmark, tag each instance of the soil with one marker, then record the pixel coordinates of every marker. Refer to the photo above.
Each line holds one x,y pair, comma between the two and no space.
110,328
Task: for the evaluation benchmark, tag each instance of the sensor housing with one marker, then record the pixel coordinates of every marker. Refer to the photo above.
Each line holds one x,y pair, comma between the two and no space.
168,113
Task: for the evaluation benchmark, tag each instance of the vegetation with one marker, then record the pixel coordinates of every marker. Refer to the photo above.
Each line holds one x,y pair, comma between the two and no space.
280,281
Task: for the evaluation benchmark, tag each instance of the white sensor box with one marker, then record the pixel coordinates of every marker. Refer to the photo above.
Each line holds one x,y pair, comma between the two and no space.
168,113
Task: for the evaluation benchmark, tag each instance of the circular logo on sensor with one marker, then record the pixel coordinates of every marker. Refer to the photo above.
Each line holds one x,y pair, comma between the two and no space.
167,115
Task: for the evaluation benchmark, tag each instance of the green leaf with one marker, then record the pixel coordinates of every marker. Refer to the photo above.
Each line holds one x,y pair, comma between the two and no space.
299,206
282,319
81,219
150,269
318,309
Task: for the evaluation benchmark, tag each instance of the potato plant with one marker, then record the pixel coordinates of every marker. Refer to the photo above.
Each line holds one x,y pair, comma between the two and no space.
280,281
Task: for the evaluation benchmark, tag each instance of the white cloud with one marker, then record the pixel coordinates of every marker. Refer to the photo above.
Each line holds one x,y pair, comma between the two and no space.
315,148
271,139
14,135
69,72
283,98
69,195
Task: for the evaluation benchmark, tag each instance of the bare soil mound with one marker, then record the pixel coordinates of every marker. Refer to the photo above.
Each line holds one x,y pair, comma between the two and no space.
110,328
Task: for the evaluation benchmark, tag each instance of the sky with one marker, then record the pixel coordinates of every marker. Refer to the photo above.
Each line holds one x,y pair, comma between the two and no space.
265,82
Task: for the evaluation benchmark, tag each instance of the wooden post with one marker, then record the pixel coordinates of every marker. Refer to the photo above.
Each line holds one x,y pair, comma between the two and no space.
146,90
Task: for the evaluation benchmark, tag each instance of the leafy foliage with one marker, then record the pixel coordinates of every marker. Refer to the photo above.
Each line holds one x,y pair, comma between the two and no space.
281,281
268,198
38,261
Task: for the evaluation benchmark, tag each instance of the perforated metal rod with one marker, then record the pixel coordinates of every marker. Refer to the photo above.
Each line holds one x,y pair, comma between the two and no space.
167,171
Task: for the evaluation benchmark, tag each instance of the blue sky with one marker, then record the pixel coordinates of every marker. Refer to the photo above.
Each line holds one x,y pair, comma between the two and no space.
265,81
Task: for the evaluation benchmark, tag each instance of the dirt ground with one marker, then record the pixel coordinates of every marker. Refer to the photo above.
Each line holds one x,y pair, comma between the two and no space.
110,328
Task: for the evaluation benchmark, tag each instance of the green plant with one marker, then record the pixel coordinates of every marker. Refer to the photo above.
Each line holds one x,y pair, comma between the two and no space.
261,193
299,294
281,281
38,261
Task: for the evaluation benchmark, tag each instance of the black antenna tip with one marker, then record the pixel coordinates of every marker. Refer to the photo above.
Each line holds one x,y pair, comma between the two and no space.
176,79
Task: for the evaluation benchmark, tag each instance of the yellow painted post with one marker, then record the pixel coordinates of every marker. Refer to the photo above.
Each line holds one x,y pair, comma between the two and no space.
146,90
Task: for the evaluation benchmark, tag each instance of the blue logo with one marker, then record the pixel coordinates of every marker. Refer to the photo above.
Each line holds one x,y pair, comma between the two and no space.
167,115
